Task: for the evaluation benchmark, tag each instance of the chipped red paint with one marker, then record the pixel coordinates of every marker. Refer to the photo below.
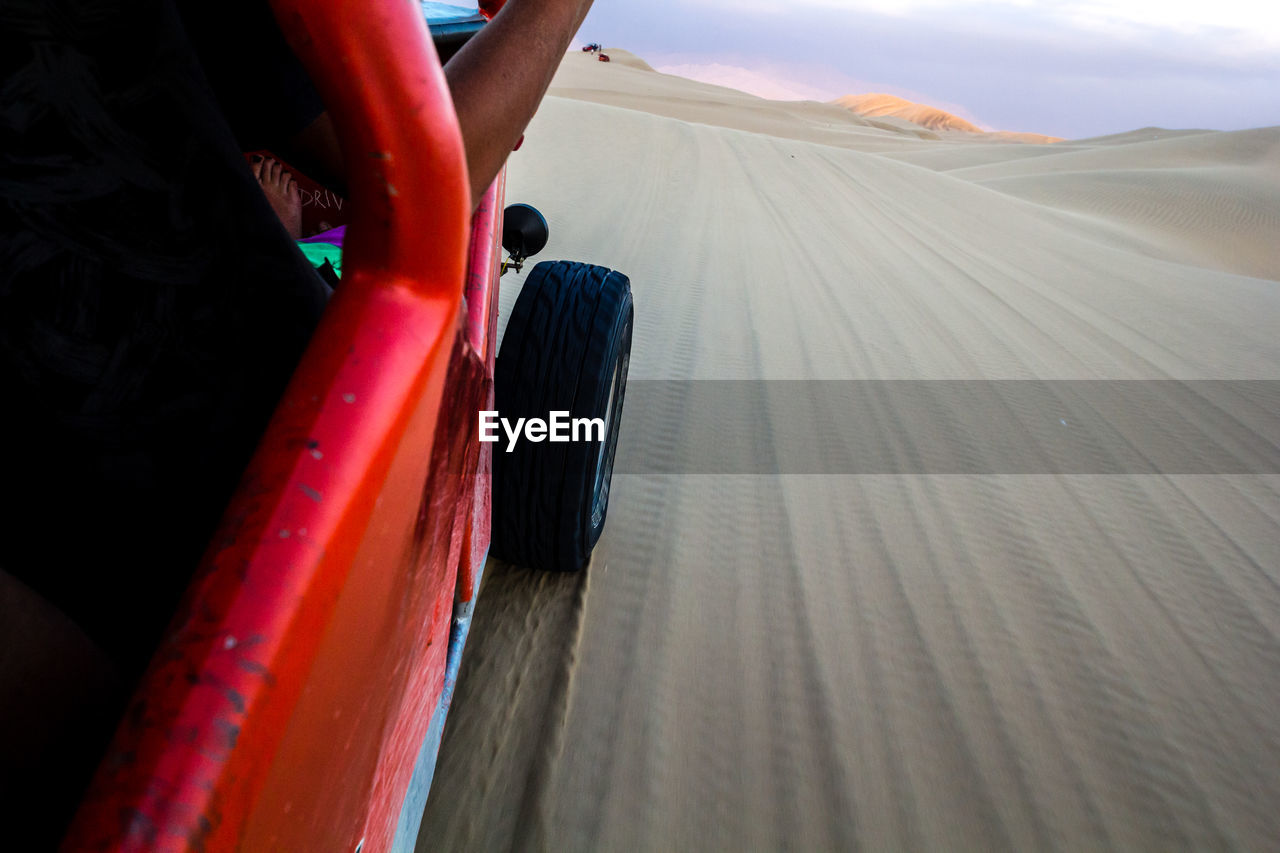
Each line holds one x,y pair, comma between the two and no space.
288,702
483,264
483,273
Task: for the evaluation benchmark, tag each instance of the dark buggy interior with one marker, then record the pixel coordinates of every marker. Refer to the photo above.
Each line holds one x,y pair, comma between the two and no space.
152,308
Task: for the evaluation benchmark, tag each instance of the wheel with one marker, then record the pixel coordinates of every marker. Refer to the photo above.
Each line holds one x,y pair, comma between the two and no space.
567,347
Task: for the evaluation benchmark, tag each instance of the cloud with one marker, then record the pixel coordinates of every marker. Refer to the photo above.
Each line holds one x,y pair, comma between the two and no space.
793,81
1249,21
771,83
1010,64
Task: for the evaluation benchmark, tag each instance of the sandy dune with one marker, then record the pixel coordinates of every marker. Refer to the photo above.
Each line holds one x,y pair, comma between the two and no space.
987,660
878,104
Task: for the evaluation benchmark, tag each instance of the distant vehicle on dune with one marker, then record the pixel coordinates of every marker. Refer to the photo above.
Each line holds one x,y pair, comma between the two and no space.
592,48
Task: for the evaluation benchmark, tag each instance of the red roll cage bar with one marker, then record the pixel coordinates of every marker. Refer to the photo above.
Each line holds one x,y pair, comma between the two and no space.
292,694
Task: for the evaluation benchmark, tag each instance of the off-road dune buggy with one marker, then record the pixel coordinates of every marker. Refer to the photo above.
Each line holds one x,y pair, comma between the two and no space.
297,701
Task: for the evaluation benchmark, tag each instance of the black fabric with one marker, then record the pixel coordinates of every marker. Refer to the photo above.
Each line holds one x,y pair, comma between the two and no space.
328,273
264,91
152,309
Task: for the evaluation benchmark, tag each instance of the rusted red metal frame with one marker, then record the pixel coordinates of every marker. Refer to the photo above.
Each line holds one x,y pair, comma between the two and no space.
483,274
292,694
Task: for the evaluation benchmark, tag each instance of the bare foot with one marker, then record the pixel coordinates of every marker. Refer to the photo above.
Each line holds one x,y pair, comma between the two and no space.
282,192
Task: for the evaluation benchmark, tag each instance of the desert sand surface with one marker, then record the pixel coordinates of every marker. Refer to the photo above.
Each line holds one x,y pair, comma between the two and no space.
986,660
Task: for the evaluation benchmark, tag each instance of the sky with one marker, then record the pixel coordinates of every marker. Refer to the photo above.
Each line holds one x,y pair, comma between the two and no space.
1070,68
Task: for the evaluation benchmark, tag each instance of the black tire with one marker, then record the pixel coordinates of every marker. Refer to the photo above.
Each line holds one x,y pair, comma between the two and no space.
567,347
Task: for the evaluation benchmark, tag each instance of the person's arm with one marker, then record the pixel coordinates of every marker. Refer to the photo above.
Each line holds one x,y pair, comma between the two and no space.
497,79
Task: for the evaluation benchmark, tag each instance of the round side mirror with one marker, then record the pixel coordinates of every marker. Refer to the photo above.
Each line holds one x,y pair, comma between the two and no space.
524,231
